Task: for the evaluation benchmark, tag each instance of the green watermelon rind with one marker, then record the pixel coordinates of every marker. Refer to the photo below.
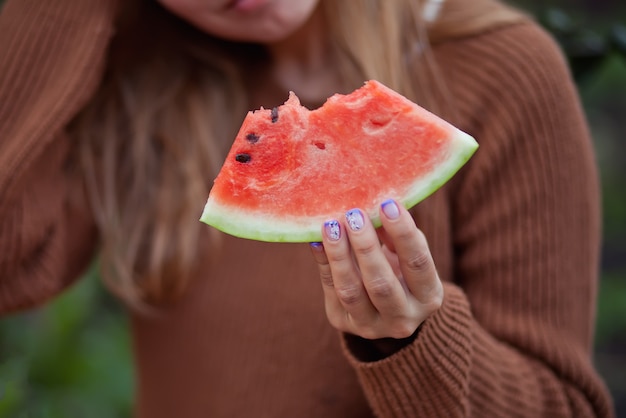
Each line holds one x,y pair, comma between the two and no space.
266,227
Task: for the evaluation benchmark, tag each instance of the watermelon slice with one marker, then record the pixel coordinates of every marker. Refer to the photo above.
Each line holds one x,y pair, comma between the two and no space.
290,168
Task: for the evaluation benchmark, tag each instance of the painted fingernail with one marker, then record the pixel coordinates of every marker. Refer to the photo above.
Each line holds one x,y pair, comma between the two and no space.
390,209
316,246
355,219
332,230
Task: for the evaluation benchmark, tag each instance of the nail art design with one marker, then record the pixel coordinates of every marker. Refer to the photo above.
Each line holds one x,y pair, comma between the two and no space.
355,219
333,232
390,209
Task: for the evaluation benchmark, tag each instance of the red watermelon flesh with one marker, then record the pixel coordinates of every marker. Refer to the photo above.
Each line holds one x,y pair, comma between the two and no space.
290,168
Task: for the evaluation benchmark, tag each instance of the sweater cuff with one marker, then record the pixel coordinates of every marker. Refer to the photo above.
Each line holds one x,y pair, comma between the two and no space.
430,376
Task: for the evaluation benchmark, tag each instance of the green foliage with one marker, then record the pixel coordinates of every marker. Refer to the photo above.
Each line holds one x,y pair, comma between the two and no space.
586,48
612,309
68,359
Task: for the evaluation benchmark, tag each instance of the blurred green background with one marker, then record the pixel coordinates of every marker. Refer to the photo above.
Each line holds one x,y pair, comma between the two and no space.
72,357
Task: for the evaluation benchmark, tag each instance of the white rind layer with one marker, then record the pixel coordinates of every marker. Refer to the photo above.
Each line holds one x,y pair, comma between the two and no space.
267,227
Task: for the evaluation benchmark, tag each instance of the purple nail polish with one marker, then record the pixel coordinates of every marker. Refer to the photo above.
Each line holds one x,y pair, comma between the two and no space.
317,246
390,209
332,229
355,219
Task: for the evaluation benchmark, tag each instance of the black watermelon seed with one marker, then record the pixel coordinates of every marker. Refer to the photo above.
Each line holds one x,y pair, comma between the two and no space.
252,138
242,158
274,114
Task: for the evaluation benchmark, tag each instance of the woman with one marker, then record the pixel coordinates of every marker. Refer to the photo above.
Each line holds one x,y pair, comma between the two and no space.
115,118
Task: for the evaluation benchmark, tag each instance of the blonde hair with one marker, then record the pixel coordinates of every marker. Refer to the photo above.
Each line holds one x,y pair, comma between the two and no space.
155,134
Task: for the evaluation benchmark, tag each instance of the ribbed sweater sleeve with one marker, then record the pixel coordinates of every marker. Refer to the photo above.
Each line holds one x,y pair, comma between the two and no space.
513,336
51,59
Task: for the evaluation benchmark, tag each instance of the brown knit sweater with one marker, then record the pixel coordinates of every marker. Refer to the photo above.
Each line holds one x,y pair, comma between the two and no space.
515,237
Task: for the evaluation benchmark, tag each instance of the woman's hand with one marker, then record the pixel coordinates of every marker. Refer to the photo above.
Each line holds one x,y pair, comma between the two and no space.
377,284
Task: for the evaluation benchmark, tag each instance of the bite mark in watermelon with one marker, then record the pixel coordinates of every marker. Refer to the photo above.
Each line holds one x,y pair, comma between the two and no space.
290,168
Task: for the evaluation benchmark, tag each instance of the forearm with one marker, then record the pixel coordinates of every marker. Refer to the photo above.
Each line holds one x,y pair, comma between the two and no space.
51,58
514,334
455,368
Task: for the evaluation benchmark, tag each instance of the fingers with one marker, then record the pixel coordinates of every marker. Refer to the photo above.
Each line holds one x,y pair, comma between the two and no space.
381,283
359,282
414,257
375,290
334,308
352,307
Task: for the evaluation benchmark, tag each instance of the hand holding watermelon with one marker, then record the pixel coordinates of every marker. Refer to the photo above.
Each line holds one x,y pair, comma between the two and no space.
290,169
377,290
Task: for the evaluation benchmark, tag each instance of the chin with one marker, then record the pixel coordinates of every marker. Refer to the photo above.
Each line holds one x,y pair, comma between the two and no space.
265,35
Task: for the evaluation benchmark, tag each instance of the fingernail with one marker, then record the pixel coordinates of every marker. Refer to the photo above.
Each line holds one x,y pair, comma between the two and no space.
390,209
355,219
332,230
316,246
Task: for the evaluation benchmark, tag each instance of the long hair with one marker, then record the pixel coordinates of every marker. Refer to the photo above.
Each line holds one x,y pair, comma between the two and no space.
156,132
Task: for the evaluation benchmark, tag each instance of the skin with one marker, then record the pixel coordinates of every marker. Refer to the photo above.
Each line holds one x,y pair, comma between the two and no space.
265,21
378,285
293,32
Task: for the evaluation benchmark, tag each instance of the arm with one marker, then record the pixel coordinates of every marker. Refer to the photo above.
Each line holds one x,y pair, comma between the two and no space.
51,58
513,334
